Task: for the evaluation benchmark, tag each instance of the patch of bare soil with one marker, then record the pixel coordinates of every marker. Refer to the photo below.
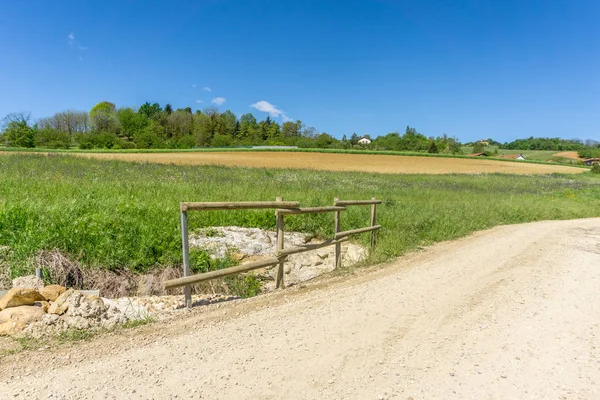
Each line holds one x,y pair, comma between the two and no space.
379,163
507,313
567,154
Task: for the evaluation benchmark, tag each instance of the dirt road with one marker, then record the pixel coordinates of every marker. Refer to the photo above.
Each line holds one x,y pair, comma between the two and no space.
380,163
509,313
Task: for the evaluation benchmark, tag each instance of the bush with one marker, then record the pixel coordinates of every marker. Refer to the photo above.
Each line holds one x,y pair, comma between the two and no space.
100,140
478,148
222,141
19,134
148,140
124,144
595,168
589,152
186,142
52,139
432,148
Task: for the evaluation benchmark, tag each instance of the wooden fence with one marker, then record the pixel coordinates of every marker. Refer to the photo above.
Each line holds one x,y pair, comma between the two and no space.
282,208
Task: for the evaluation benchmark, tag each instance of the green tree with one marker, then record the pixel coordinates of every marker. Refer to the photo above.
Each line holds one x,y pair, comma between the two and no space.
168,109
478,147
19,134
104,117
49,138
130,122
432,147
149,110
248,127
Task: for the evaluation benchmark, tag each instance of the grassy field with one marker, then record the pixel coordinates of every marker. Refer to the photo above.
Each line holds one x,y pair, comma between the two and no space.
121,215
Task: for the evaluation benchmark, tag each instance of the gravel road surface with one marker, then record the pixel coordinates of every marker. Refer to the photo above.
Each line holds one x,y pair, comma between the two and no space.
509,313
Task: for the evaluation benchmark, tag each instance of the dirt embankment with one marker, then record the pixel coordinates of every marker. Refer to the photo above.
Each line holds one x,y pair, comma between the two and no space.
379,163
508,313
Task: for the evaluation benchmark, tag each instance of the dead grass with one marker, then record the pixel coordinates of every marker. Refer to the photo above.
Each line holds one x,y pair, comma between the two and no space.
380,163
5,281
62,271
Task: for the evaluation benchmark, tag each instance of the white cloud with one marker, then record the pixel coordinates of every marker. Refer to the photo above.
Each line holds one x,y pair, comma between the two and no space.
273,111
199,101
207,89
194,85
219,100
73,42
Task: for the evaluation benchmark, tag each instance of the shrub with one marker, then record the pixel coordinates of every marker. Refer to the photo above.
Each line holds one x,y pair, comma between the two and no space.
222,141
52,139
100,140
19,134
186,142
478,147
148,140
595,168
432,147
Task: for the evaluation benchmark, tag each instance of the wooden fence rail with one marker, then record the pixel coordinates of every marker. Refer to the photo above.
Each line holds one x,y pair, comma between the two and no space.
282,208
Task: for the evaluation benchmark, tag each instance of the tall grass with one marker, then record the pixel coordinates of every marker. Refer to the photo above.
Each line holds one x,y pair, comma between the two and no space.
113,214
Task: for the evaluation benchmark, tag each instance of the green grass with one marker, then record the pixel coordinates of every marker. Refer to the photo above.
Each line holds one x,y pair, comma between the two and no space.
114,215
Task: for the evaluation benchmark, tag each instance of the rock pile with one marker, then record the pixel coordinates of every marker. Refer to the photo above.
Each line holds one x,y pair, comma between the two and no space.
255,243
41,310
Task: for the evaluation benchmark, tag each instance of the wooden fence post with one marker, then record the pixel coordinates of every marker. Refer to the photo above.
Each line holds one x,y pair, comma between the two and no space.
373,221
337,228
279,283
187,290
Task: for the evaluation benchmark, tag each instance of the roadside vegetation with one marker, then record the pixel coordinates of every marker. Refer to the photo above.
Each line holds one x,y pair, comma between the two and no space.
125,216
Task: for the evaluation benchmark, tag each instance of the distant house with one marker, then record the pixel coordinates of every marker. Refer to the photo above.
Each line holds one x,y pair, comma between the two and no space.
514,156
590,161
364,141
484,142
484,154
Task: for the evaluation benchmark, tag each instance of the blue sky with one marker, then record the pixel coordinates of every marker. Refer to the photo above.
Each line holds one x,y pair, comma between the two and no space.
471,68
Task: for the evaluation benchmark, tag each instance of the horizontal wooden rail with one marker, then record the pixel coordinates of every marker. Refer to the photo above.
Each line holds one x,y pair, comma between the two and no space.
239,205
355,231
309,247
310,210
356,202
188,280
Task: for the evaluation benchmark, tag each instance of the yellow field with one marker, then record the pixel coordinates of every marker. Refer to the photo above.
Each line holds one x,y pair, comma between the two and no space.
388,164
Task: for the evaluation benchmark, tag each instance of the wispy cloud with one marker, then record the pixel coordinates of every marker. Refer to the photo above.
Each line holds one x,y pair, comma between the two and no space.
219,100
73,42
207,89
199,101
194,85
273,111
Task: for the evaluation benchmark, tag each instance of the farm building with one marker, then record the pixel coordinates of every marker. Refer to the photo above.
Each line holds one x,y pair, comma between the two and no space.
364,141
514,156
590,161
484,154
484,142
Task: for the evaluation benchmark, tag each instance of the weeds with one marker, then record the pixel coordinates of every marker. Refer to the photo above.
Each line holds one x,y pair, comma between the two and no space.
122,216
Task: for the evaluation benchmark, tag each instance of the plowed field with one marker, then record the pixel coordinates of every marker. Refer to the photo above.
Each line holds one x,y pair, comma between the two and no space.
388,164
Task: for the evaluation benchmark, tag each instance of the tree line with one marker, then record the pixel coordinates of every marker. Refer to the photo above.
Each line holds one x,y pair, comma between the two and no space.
154,127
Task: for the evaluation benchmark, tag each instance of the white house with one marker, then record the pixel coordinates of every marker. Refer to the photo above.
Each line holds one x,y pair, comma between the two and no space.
364,141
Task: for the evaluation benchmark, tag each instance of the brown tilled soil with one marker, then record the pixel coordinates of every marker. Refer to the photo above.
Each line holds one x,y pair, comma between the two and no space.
509,313
387,164
567,154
